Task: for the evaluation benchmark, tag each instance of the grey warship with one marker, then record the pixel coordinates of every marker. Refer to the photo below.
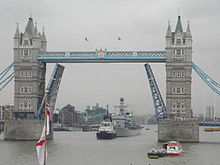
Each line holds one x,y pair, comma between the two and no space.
125,123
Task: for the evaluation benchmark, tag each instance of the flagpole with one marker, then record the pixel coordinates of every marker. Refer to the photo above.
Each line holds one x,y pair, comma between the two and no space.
45,123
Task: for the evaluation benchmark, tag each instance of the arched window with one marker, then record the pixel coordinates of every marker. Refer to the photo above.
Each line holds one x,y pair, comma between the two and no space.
21,104
174,104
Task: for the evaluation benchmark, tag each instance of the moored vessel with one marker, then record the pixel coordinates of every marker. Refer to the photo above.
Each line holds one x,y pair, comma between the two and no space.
125,123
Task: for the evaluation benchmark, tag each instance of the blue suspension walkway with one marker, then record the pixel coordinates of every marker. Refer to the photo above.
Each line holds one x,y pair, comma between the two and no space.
103,56
5,73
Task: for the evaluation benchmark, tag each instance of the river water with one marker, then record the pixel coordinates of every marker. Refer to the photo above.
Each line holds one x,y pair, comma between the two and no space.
82,148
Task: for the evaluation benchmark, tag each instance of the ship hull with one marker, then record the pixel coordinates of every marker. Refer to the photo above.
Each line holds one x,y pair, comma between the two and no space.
105,135
124,132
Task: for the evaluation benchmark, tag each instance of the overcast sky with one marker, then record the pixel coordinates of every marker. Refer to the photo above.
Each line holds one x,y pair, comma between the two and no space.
141,24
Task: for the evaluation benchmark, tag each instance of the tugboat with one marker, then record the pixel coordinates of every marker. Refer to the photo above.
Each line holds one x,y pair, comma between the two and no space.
106,130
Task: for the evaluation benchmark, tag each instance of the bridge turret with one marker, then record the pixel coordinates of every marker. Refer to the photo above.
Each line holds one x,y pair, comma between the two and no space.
43,41
188,38
17,37
168,36
36,38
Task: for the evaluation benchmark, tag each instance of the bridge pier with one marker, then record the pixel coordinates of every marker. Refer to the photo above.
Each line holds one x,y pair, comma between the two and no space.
24,130
179,130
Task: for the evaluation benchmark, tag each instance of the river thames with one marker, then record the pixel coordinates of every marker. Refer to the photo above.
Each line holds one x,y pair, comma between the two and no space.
82,148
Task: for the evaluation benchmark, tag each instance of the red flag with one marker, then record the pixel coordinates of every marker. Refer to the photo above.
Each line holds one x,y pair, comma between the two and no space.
41,144
41,148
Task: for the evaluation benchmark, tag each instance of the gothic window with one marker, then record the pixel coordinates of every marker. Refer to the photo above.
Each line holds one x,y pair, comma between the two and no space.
21,74
173,74
178,74
178,54
29,89
182,104
178,90
178,105
178,41
182,90
25,73
182,51
182,74
29,103
25,42
25,52
25,55
178,51
21,104
30,73
21,90
174,104
25,89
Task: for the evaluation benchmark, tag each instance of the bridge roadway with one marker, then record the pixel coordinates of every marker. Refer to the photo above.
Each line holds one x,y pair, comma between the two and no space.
102,56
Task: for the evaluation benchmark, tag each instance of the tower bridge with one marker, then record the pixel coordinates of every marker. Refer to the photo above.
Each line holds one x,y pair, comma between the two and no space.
175,120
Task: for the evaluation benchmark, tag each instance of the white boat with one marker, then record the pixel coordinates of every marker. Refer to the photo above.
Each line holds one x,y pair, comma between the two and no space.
173,148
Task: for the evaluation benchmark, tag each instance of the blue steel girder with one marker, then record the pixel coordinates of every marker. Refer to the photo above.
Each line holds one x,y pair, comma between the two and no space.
102,57
159,105
207,79
52,89
4,81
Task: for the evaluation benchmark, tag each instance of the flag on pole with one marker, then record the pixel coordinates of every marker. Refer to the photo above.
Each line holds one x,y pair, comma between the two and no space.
41,147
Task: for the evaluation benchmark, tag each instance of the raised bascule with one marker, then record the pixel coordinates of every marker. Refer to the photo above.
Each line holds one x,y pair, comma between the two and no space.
175,119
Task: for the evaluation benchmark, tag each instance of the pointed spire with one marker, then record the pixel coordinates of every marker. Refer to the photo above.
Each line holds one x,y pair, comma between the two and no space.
169,33
36,31
43,35
30,26
17,33
179,25
188,31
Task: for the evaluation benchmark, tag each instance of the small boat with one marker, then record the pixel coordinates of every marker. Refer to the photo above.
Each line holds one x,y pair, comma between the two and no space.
156,153
106,130
211,129
173,148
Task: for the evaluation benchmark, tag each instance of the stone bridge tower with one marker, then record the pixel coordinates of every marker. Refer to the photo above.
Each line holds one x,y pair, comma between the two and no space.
181,125
178,71
29,86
